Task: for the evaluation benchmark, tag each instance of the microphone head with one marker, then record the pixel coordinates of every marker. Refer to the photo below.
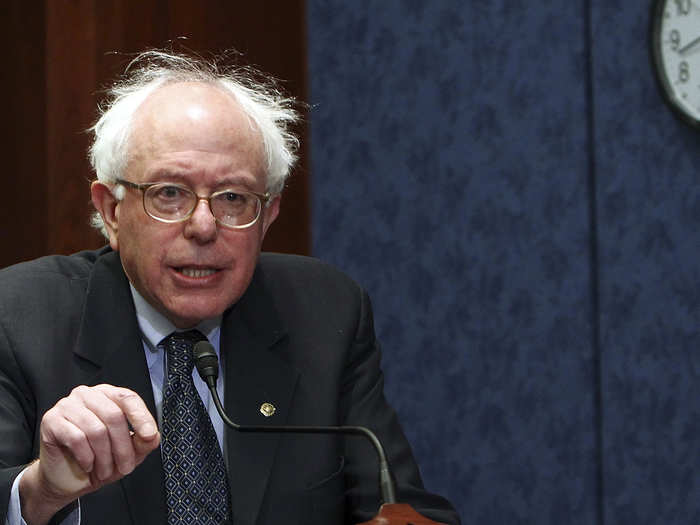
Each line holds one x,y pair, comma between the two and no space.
206,361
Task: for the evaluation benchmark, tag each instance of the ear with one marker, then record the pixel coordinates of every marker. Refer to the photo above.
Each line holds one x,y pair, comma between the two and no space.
107,206
270,213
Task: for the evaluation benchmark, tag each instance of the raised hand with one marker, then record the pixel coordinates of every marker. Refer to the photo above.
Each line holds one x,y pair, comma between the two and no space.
92,437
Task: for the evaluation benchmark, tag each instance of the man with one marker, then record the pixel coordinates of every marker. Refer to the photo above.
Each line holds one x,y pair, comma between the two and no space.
190,165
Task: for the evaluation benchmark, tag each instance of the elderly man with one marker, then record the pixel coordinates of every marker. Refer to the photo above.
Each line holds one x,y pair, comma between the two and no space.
102,418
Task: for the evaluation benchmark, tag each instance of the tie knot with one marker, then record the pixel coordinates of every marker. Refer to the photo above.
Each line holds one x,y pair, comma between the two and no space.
178,346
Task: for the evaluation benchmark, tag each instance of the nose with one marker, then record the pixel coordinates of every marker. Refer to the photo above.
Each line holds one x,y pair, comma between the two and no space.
201,226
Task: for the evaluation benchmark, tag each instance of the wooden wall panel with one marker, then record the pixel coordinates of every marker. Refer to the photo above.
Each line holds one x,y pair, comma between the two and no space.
65,52
70,79
23,221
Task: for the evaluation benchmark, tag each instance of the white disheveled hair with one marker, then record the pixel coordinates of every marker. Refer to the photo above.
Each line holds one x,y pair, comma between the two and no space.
270,111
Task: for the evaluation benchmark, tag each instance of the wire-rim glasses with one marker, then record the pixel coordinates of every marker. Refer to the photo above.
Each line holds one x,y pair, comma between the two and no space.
170,203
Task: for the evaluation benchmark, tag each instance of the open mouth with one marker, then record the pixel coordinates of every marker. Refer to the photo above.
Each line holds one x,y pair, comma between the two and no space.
196,273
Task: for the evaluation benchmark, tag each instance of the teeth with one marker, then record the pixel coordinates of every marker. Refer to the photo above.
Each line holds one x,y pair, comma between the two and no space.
196,272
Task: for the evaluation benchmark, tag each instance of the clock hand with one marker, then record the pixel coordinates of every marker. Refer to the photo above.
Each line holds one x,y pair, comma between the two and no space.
689,47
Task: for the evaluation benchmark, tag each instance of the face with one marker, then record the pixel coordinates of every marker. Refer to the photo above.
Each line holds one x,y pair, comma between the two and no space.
197,135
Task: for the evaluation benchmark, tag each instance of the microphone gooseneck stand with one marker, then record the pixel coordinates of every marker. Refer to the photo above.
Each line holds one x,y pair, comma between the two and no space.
391,513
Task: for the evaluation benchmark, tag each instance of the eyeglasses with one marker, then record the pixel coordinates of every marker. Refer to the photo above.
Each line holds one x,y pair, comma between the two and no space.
170,202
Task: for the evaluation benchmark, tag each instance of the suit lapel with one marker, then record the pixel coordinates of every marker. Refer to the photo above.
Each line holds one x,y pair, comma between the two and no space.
254,374
109,337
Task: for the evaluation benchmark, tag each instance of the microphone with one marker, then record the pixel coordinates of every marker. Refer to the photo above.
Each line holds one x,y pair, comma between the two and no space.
207,364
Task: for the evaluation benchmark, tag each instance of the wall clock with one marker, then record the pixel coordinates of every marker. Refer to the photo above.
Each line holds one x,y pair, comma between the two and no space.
675,43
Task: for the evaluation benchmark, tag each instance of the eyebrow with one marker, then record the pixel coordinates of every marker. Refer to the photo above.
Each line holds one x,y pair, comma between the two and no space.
167,175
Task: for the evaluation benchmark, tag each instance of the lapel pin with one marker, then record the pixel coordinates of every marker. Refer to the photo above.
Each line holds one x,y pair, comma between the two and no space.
267,409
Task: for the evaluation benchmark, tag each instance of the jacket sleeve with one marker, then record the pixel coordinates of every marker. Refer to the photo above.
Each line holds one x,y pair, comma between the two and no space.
363,403
17,420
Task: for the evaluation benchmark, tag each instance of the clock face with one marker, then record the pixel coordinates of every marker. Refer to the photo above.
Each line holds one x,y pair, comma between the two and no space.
676,49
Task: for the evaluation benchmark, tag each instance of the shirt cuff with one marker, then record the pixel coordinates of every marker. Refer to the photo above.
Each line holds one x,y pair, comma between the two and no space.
14,509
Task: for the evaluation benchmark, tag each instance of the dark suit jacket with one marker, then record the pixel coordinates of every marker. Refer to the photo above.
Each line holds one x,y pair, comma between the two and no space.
300,338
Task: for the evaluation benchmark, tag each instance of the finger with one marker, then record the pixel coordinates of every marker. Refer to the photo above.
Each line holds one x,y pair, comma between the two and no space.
106,429
145,436
110,438
61,440
134,408
144,447
61,472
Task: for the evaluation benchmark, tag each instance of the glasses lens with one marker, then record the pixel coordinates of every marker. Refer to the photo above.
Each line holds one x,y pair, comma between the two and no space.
169,201
237,209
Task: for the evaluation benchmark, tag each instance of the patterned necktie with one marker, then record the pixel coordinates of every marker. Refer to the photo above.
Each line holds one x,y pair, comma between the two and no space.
196,484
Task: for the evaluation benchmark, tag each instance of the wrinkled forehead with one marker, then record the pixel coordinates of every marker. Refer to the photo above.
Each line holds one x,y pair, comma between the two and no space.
194,116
